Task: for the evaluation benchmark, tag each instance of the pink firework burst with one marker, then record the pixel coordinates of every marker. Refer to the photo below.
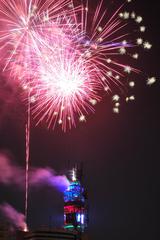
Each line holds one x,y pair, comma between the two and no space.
64,57
66,85
59,78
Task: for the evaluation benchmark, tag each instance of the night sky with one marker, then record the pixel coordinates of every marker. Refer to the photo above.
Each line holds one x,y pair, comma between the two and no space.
120,154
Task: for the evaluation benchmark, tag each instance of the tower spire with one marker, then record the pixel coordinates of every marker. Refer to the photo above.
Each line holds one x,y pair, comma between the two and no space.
75,203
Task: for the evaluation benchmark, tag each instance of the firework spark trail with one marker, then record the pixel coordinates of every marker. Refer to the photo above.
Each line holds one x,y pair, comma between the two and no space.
27,159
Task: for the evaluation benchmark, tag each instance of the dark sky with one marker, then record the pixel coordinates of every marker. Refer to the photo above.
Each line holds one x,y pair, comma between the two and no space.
120,155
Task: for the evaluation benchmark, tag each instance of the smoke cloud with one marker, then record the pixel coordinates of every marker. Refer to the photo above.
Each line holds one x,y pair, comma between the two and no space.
11,174
47,176
16,218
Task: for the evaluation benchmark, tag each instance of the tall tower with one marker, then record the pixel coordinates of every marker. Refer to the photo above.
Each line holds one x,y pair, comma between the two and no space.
75,203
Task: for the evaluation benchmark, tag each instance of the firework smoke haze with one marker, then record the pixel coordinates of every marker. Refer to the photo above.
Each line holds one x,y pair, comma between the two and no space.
46,176
38,177
16,218
9,173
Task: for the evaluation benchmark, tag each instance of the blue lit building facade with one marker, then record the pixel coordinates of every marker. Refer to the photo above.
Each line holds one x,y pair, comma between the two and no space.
75,205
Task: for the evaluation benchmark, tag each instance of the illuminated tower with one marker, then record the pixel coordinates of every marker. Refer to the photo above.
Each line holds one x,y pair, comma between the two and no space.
75,204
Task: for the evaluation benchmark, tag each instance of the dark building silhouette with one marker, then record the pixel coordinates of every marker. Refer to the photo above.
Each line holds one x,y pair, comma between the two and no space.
51,234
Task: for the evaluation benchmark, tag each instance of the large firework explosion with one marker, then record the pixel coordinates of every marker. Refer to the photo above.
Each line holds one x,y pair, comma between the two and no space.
64,56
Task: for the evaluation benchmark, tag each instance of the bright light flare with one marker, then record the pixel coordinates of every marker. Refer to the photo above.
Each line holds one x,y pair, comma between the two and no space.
66,84
26,228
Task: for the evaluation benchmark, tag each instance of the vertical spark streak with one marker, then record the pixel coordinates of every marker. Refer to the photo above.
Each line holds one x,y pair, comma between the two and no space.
27,156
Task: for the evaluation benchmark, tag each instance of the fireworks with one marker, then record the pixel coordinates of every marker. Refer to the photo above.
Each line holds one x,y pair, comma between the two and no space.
64,57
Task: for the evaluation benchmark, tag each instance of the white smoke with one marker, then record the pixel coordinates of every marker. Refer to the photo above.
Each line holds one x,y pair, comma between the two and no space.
16,218
13,175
